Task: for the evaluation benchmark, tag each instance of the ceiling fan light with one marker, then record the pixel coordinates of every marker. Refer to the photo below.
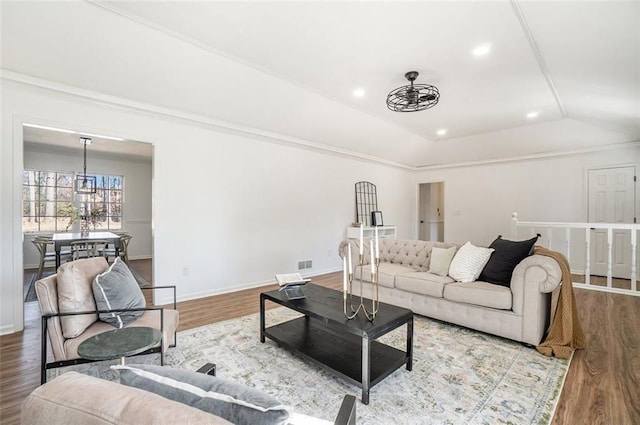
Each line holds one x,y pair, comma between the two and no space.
414,97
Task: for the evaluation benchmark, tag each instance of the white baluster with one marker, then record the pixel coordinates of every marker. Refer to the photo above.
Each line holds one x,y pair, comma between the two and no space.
609,255
634,258
514,225
587,257
549,237
567,241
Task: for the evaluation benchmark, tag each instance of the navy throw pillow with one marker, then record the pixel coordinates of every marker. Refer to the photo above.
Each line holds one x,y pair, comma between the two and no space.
505,258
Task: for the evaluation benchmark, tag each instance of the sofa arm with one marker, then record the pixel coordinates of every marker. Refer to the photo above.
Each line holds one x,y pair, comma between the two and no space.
534,274
531,284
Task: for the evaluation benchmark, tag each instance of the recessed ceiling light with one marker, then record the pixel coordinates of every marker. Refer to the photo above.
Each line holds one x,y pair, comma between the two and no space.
532,115
482,50
441,132
359,92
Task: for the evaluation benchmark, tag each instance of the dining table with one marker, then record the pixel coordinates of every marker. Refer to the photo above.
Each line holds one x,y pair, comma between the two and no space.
65,239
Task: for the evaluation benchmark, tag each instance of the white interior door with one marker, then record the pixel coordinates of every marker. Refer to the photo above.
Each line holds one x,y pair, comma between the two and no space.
611,200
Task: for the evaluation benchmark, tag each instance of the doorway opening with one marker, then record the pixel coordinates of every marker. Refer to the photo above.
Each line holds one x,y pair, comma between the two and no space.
120,204
431,211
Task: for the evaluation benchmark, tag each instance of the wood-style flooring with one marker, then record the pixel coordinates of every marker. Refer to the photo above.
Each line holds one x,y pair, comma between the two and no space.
602,386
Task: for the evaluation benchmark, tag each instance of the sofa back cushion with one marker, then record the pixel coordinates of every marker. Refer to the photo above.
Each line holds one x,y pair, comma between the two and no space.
75,294
409,253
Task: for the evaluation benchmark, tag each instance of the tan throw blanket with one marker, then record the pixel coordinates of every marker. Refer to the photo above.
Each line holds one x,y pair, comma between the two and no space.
565,333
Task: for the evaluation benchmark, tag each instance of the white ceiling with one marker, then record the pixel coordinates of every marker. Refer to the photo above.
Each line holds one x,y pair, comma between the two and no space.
290,68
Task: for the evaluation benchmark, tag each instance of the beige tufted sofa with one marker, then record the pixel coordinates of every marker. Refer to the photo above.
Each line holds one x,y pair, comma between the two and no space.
520,312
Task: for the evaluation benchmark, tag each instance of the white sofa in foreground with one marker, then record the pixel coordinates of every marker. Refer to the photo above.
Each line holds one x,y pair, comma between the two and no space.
519,311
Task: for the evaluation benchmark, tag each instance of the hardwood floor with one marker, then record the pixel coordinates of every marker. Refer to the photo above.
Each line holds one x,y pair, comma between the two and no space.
602,386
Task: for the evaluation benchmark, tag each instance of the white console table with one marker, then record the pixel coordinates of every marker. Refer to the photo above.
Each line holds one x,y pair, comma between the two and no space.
368,232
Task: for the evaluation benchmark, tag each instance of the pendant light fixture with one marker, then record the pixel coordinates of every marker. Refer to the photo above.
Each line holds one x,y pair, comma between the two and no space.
84,183
414,97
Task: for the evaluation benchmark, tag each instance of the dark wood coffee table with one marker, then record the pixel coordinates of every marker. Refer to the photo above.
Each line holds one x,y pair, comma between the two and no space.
347,348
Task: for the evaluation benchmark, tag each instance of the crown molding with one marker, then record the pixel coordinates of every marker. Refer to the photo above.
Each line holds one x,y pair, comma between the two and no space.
102,99
542,155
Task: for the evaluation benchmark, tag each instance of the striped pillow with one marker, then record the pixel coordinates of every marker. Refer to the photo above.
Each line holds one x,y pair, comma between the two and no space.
468,262
232,401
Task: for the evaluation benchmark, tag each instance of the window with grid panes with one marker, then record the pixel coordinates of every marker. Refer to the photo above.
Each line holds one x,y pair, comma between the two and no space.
48,201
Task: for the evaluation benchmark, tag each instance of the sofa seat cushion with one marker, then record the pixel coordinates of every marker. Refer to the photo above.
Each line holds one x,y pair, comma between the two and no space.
479,293
73,398
423,283
149,318
387,273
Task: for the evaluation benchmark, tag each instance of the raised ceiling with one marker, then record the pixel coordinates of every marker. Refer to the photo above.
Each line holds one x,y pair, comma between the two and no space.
290,69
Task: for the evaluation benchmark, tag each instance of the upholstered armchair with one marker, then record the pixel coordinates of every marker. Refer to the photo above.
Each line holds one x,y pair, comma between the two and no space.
70,314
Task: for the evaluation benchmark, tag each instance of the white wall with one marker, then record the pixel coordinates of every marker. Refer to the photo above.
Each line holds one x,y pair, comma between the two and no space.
231,208
479,199
137,193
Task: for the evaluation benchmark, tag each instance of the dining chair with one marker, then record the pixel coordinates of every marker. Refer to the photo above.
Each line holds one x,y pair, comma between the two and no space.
42,244
124,244
87,249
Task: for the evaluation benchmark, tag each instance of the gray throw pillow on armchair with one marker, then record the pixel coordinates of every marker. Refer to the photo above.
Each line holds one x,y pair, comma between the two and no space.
237,403
117,288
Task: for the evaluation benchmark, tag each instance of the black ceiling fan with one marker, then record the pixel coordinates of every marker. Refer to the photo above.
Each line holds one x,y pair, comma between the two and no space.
414,97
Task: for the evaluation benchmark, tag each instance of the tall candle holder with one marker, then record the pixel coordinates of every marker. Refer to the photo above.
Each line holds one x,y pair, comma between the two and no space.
348,291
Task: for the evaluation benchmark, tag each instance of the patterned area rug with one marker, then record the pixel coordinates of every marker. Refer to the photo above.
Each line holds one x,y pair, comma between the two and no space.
459,376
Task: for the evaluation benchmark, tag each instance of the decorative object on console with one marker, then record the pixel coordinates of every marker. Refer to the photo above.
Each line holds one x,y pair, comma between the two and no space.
84,183
366,202
506,256
414,97
347,288
468,262
376,218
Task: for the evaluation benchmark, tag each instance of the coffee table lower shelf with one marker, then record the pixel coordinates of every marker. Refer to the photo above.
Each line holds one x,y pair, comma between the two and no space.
338,352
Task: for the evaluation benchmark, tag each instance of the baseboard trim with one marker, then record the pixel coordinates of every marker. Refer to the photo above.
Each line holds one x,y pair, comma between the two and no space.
7,329
229,290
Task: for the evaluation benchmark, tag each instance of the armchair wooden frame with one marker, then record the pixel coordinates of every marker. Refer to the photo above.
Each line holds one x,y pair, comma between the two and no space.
44,365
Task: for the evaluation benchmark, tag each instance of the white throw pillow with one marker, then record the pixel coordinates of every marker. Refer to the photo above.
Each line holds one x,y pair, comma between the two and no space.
468,262
441,259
